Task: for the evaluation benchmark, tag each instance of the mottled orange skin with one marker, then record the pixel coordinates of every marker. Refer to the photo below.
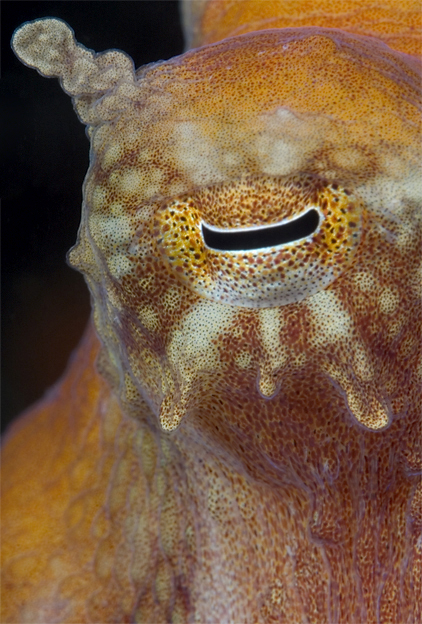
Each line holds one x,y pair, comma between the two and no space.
272,475
397,24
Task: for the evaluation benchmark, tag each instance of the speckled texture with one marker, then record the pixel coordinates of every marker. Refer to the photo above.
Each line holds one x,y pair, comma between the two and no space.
398,25
267,276
250,451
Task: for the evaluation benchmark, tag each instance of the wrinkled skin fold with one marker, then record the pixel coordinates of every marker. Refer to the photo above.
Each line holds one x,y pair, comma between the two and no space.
237,438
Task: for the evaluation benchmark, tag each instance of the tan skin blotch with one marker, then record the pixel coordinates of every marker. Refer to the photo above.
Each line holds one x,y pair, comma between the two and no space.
242,443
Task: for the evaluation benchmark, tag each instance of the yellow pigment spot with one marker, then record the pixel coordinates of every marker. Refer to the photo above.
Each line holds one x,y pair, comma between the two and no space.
182,240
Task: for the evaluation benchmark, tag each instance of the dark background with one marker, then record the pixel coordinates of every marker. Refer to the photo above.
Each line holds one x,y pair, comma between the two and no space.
44,158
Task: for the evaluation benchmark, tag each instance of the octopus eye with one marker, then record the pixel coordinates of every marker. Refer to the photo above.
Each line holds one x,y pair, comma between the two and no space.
260,242
263,236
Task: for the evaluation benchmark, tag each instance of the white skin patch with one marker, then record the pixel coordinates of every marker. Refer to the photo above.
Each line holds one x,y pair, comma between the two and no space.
363,405
99,198
362,364
365,281
119,265
332,321
367,410
190,352
113,154
131,182
195,154
388,301
276,156
231,159
276,352
391,194
116,229
191,348
152,182
271,324
285,142
395,327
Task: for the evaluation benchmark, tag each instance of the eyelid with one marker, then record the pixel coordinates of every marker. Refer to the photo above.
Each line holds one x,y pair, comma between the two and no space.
235,264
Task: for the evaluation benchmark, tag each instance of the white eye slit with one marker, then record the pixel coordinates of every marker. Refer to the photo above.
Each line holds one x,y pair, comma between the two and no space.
263,236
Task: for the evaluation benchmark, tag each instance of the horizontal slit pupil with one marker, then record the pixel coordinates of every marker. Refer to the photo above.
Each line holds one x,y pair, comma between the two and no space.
270,236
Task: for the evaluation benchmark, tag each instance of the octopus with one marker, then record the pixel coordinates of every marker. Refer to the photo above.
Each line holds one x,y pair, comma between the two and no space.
238,436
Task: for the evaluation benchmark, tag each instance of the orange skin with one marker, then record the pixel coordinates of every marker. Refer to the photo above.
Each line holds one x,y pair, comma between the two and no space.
226,452
398,25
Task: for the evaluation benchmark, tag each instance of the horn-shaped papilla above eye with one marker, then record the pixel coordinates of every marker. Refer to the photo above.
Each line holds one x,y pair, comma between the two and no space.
263,242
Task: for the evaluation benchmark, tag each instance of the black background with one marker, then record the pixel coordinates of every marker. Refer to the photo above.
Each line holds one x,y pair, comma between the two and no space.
44,152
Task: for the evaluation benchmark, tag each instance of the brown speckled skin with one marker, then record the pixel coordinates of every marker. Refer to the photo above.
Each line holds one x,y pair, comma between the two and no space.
230,453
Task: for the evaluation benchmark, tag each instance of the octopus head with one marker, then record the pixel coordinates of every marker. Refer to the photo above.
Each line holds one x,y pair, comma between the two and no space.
250,234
